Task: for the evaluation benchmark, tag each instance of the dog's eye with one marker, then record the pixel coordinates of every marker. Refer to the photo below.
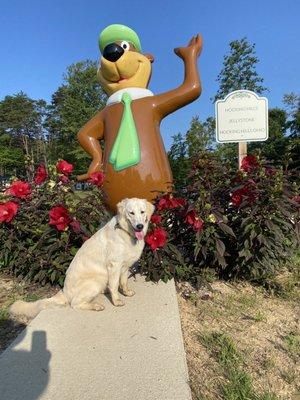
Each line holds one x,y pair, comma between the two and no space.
131,212
125,45
142,212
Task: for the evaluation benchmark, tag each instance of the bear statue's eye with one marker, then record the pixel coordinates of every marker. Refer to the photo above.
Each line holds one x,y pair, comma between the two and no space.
131,212
125,45
142,212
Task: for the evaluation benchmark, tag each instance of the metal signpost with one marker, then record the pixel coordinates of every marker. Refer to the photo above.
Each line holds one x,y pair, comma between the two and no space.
240,118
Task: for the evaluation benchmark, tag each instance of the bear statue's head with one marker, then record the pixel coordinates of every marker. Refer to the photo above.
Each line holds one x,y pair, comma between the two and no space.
122,64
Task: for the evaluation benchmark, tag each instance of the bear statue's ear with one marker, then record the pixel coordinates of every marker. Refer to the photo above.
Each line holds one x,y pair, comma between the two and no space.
150,57
149,209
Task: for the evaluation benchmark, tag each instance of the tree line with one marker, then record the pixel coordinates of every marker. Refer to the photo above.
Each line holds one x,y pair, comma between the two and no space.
34,131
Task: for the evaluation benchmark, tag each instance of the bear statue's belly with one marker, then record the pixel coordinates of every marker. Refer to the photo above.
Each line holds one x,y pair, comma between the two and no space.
152,174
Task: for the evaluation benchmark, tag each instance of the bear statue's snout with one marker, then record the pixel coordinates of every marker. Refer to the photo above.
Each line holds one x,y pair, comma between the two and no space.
112,52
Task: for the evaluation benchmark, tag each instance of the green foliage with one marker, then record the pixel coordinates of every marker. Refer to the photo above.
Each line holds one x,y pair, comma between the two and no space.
200,136
11,157
21,131
238,384
292,102
73,104
239,70
31,248
179,162
250,225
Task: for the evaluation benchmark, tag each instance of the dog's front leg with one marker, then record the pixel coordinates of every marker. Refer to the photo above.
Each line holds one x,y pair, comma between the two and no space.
124,284
113,284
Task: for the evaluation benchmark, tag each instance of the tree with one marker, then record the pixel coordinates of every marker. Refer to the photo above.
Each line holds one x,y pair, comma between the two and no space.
200,136
292,103
21,123
239,70
11,157
73,104
274,149
179,162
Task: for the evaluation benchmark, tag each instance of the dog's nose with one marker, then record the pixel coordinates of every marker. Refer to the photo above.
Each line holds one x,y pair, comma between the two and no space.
139,227
112,52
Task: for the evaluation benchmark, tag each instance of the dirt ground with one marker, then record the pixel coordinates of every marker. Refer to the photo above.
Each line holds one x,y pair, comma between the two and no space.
12,289
265,330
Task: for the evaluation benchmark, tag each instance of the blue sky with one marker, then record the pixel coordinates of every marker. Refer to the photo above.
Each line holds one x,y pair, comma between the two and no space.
39,39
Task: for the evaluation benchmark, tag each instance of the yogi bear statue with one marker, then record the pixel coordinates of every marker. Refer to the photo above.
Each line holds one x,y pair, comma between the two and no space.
134,159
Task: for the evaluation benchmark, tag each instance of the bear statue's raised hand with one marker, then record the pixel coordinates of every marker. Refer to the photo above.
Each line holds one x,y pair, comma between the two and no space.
193,49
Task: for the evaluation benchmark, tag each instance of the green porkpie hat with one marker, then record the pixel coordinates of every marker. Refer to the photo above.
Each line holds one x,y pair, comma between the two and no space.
116,32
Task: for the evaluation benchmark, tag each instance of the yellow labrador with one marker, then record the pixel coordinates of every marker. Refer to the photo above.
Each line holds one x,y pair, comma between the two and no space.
101,263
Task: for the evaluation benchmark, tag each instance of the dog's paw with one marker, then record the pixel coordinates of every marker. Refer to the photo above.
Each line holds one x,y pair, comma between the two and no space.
118,303
128,292
98,307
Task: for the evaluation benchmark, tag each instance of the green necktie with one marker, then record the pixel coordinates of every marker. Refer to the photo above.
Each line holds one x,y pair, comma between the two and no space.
126,149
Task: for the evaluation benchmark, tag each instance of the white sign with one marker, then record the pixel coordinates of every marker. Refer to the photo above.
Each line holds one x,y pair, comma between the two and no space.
242,117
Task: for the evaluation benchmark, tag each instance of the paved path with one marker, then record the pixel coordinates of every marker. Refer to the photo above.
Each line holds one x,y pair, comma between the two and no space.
130,353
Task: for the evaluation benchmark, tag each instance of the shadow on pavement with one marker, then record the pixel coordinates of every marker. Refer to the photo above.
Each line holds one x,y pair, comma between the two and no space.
24,375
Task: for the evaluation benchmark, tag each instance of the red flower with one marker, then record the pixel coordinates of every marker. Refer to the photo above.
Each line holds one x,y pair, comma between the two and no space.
41,175
249,163
296,199
193,219
63,179
59,216
237,197
155,219
8,210
244,193
97,178
19,189
64,167
76,226
168,202
156,238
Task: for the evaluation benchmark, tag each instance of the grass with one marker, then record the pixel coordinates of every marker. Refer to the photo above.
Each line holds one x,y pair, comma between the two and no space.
287,285
3,316
259,317
237,383
292,344
289,375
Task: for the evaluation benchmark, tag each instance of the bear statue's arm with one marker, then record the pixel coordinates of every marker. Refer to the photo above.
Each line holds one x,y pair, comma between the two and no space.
190,90
89,136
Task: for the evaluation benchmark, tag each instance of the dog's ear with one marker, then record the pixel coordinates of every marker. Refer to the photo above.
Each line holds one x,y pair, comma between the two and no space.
149,209
121,207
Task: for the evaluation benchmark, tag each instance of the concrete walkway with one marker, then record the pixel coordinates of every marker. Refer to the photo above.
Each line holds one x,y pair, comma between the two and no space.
134,352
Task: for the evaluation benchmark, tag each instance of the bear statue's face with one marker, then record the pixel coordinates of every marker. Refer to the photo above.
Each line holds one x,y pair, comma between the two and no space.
122,66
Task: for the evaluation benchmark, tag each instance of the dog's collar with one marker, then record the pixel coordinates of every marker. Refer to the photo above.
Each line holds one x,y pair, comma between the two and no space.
118,226
135,93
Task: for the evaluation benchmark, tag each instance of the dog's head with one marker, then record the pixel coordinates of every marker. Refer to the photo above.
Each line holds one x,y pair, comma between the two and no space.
134,216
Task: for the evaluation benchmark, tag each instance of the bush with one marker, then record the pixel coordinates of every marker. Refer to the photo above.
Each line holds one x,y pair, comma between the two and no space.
228,223
249,223
45,222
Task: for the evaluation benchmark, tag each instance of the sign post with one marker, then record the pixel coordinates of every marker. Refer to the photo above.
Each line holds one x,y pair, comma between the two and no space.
240,118
242,152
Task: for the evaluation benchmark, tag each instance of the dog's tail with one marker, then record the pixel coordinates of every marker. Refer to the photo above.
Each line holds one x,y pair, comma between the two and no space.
32,308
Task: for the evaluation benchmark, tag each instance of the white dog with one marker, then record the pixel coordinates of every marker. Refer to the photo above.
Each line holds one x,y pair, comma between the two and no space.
101,263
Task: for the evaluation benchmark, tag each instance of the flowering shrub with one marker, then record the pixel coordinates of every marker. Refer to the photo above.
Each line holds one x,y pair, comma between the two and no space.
227,222
44,222
230,223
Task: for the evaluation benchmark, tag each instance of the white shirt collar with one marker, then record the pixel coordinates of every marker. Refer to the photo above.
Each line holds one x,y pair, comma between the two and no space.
135,93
